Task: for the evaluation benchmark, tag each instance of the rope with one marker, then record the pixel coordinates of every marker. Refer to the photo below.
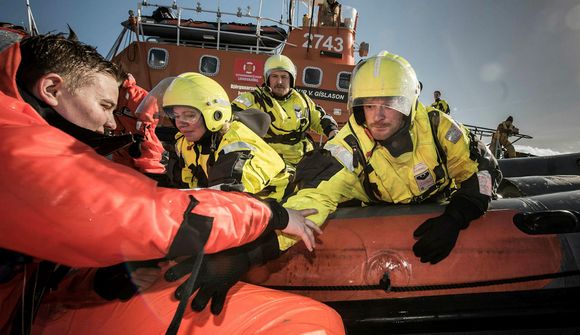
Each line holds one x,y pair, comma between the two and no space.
385,284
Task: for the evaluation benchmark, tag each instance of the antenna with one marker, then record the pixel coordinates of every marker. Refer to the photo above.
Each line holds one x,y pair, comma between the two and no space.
33,30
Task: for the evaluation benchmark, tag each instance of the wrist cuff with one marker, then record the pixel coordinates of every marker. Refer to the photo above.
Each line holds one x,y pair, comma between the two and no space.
279,218
463,211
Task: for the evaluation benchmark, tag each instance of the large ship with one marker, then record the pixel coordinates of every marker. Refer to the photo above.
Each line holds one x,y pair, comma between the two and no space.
171,41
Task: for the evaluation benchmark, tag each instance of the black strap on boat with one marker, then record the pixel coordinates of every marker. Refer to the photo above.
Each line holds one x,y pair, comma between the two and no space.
385,284
188,287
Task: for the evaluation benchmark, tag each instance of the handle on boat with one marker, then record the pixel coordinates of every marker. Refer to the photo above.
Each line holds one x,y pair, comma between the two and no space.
548,222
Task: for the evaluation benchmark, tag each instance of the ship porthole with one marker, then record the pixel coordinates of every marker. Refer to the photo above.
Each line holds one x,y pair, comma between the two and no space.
209,65
343,80
157,58
312,76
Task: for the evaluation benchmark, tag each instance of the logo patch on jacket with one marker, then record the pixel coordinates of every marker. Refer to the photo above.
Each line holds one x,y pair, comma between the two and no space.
298,111
423,177
484,179
453,134
243,100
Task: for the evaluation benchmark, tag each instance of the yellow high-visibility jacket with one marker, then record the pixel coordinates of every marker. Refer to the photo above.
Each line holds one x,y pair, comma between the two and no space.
441,105
291,118
242,160
412,177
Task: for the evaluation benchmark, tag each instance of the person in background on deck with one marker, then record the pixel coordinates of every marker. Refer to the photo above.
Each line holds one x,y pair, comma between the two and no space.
501,138
146,155
80,209
329,13
393,150
292,112
440,104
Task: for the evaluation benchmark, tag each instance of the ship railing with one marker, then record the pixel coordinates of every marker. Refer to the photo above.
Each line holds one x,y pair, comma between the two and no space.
232,33
198,9
488,132
482,132
213,45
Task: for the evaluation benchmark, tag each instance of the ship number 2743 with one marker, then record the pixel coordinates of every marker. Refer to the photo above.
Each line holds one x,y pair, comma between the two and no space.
329,42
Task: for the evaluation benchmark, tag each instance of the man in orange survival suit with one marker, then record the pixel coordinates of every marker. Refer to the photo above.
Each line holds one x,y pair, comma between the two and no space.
61,203
146,154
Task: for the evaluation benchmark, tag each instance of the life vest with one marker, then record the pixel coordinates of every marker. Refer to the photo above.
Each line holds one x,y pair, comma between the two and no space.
412,177
291,118
241,158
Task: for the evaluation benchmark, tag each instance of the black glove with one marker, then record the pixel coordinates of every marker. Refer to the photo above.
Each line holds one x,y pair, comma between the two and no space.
114,282
220,271
437,236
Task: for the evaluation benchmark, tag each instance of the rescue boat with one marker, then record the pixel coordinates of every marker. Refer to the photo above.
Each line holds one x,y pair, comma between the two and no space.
517,267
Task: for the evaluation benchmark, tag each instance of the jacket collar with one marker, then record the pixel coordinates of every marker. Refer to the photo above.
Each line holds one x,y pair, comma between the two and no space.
10,60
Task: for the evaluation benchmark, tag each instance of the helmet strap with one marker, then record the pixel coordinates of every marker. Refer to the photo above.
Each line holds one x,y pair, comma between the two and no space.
400,142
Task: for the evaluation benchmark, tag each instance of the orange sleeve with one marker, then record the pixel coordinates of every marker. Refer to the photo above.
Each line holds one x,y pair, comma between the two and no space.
61,201
150,147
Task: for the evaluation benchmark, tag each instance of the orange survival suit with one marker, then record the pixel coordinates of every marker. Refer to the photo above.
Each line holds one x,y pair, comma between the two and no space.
146,154
57,204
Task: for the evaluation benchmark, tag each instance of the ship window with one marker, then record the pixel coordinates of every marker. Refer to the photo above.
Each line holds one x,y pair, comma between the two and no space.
158,58
312,76
343,81
209,65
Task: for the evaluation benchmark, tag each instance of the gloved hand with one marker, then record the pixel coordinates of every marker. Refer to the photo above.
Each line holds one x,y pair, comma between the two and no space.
437,236
114,282
220,271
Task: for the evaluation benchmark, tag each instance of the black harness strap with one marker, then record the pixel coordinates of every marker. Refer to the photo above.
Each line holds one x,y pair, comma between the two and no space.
189,283
33,294
358,158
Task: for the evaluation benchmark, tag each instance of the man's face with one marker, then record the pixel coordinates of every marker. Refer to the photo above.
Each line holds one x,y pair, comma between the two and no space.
91,106
190,122
436,95
279,82
382,121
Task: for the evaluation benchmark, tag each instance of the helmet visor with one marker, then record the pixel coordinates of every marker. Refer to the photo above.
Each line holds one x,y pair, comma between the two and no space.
400,104
168,102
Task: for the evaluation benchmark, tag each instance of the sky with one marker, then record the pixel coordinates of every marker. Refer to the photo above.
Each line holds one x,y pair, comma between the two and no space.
489,58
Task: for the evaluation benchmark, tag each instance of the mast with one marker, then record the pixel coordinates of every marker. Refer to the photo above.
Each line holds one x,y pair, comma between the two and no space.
32,29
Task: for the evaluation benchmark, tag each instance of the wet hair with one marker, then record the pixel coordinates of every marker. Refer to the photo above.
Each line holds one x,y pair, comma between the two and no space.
510,118
75,61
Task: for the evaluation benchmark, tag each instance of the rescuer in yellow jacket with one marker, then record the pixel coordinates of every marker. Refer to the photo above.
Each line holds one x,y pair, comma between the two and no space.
440,104
215,148
292,113
500,138
394,150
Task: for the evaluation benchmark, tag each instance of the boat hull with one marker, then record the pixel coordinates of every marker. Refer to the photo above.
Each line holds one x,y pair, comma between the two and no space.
361,248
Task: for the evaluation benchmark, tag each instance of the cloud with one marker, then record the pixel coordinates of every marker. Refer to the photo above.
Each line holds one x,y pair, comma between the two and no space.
492,72
572,18
537,151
